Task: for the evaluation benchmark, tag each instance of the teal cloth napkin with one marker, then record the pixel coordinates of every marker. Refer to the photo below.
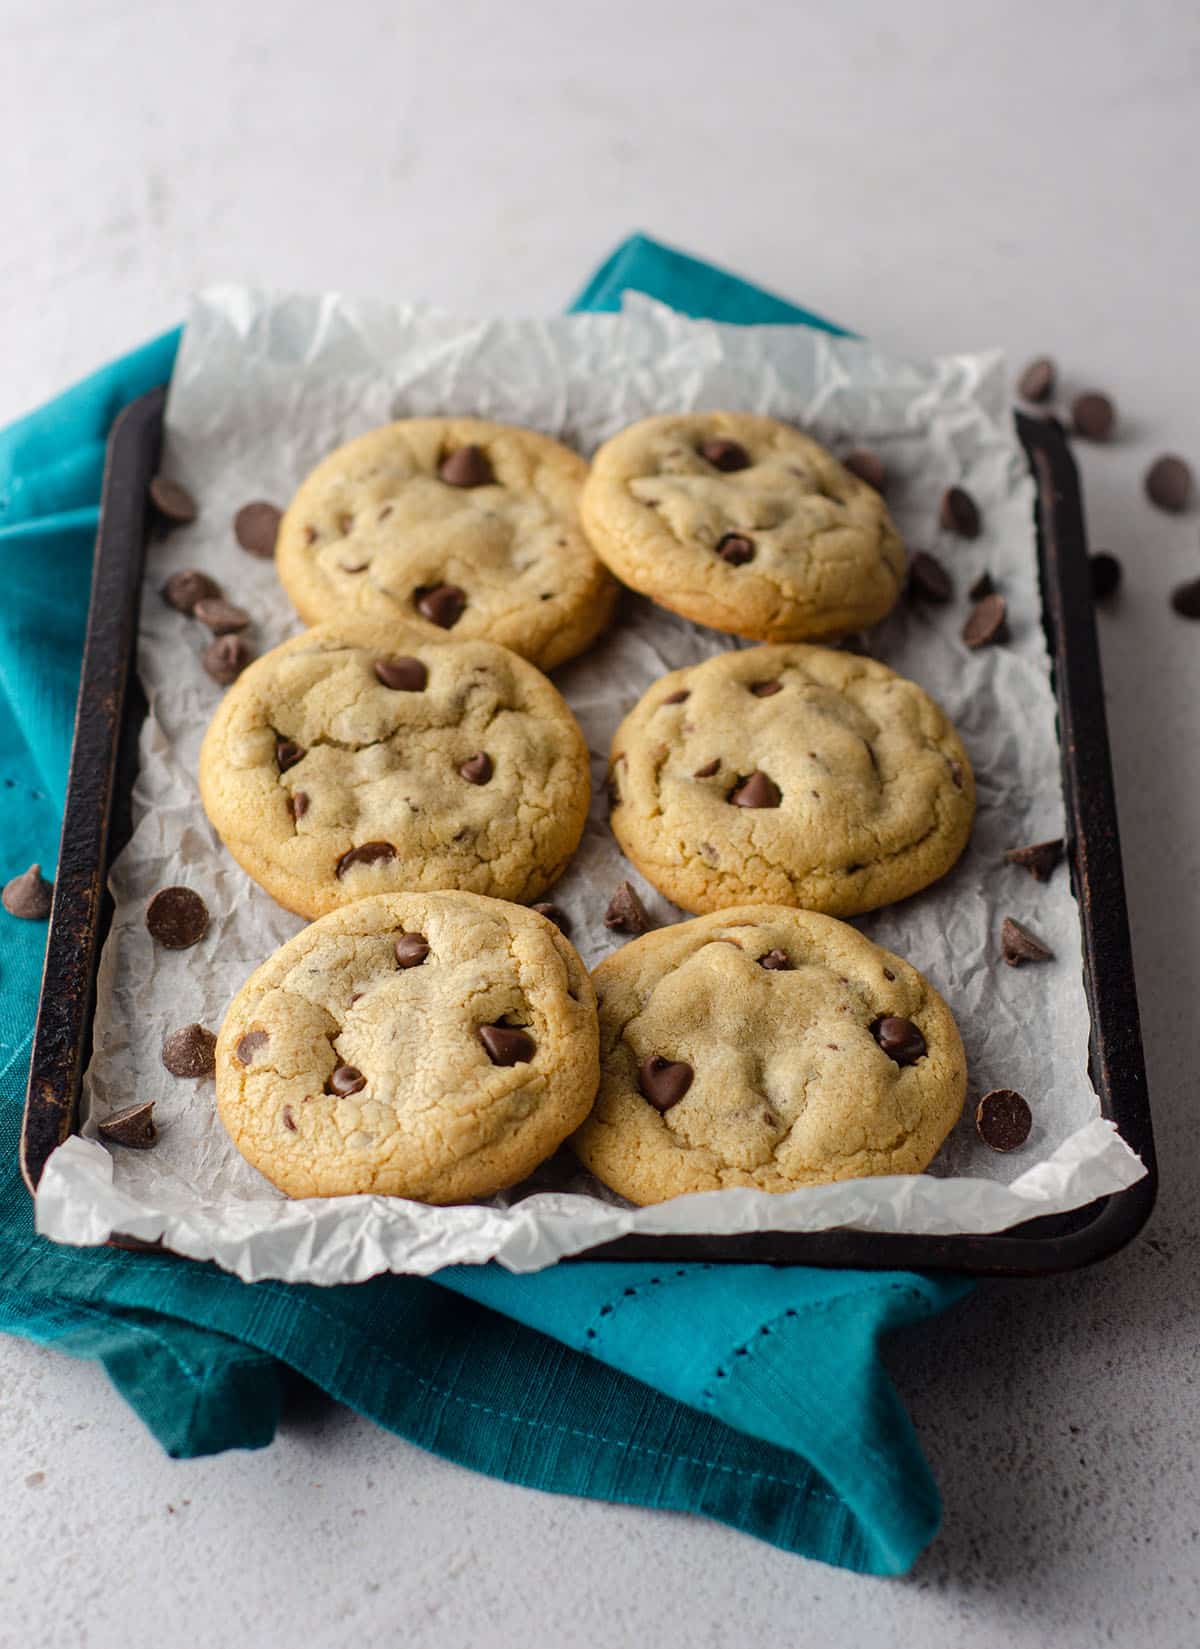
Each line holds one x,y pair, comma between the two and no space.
748,1394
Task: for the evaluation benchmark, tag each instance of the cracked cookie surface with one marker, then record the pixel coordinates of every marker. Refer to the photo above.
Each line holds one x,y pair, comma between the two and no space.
336,769
496,551
794,774
434,1046
749,1047
743,523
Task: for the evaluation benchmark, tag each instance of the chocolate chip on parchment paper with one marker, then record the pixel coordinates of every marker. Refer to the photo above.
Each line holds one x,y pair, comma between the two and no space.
177,917
959,513
982,586
402,675
928,580
506,1045
1093,416
1039,858
190,1051
554,913
1036,383
1018,945
28,895
1106,575
1169,483
172,501
220,616
899,1038
988,622
664,1081
868,466
133,1126
1185,599
626,912
184,589
724,455
441,604
256,527
468,466
1003,1119
226,657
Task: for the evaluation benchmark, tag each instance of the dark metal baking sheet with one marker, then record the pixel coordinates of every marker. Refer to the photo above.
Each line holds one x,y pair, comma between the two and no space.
96,826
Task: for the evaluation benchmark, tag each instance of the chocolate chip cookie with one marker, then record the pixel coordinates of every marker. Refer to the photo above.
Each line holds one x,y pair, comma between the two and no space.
428,1045
335,769
455,524
770,1048
742,523
793,774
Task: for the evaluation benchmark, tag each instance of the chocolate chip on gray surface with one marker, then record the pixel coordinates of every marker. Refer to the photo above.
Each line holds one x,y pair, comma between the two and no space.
678,697
190,1051
441,604
928,580
298,804
477,769
184,589
868,466
664,1081
988,622
133,1126
899,1038
288,753
1018,945
724,455
736,549
177,917
1169,483
959,512
226,657
1003,1119
1036,383
1106,575
1039,858
554,913
1093,416
766,689
402,675
28,895
256,527
250,1044
626,912
345,1080
467,466
368,853
220,616
172,501
1185,599
757,790
982,586
775,961
506,1045
709,768
411,950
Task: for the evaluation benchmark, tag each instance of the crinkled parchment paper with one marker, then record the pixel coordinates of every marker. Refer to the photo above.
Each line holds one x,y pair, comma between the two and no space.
265,386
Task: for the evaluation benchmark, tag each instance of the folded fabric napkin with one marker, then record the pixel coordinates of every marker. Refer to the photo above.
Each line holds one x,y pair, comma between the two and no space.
749,1394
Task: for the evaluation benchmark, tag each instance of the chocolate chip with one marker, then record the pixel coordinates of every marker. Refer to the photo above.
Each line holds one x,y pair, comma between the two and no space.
28,895
554,913
220,616
298,804
467,467
369,853
411,950
1039,859
1018,945
756,791
988,622
1036,383
1106,575
664,1081
709,768
134,1126
1169,483
173,502
288,753
1093,416
775,961
345,523
959,513
1185,599
345,1080
226,658
190,1051
256,527
888,974
357,567
477,769
982,586
724,455
289,1119
868,466
678,697
900,1039
507,1046
928,580
956,772
1003,1119
177,917
402,675
626,912
249,1045
441,604
183,590
736,549
766,689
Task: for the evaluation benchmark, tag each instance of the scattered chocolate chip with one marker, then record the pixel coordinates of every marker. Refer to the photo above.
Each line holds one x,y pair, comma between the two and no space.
1093,416
868,466
411,950
225,658
441,604
1039,859
736,549
173,502
183,590
506,1045
298,804
664,1081
1169,483
190,1051
1018,945
345,1080
256,527
477,769
134,1126
626,912
1003,1119
724,455
900,1039
369,853
928,580
220,616
554,913
402,675
28,895
288,753
709,768
1106,575
177,917
959,513
289,1119
1185,599
988,622
766,689
756,791
1036,383
982,586
678,697
466,467
249,1045
775,961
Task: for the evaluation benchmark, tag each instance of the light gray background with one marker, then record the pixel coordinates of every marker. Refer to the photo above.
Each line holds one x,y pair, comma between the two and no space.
940,175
